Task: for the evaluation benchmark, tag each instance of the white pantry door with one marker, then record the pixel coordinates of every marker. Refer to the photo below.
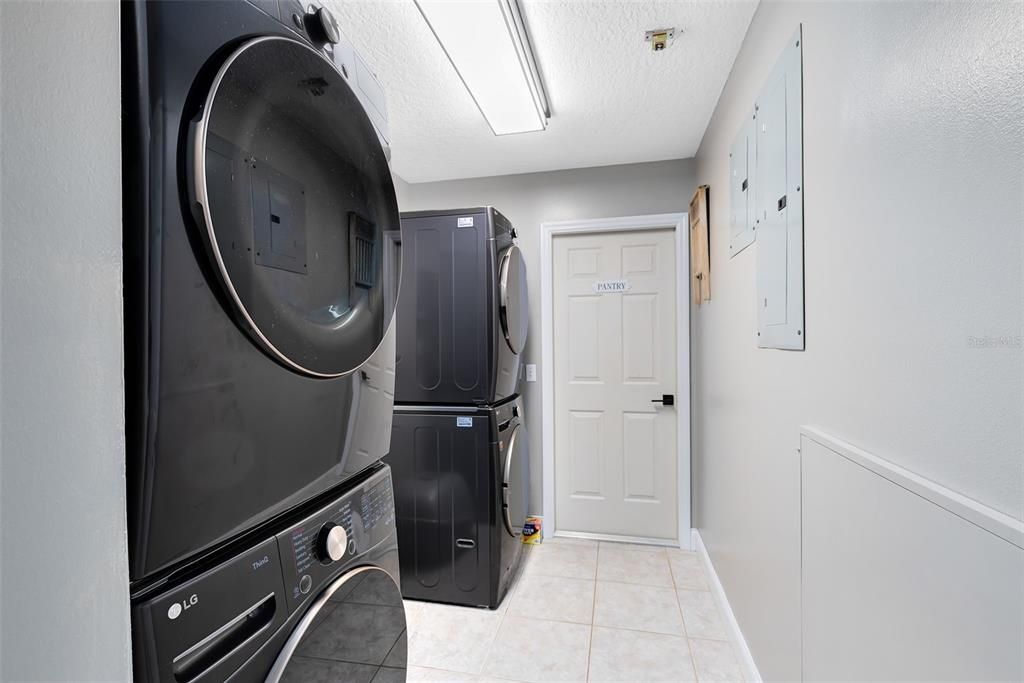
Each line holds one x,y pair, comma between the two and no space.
616,456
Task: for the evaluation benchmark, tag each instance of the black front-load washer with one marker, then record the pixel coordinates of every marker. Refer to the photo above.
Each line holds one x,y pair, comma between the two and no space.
256,196
463,314
461,490
314,599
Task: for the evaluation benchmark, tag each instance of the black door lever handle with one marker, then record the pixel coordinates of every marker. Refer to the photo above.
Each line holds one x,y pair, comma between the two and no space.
665,400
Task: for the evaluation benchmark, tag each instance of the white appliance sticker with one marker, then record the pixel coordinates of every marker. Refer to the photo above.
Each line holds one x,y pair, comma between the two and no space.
464,421
466,222
611,286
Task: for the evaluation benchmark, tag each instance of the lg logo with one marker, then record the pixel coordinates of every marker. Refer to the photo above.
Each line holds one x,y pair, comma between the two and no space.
177,608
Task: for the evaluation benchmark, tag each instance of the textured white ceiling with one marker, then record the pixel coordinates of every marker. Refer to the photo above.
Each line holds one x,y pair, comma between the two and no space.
613,100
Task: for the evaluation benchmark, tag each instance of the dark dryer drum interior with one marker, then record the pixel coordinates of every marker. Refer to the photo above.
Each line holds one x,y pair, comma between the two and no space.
463,308
461,491
299,257
257,196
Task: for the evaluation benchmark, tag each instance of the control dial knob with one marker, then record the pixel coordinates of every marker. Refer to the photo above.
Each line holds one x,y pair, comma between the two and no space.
331,542
322,26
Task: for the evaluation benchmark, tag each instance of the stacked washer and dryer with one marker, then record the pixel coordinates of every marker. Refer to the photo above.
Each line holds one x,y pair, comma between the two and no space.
259,293
459,449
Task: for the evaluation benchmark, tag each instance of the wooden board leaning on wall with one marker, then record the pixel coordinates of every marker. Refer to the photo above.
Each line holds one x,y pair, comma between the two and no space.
700,258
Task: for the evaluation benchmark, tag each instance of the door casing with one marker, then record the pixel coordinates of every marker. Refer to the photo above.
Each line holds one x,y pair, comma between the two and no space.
678,223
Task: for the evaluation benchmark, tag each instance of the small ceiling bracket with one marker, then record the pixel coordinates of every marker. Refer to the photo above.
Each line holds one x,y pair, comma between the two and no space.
660,38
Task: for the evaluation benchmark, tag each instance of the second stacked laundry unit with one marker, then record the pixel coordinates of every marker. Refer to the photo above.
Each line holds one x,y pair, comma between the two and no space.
459,447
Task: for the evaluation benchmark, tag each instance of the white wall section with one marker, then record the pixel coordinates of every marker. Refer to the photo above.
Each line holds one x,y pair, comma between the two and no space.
914,174
534,198
899,584
64,582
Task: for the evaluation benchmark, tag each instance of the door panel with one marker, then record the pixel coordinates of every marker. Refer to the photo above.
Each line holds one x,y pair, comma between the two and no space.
584,362
639,470
616,456
584,453
639,348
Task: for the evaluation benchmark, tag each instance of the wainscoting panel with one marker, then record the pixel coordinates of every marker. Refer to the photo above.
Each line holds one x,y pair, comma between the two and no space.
903,579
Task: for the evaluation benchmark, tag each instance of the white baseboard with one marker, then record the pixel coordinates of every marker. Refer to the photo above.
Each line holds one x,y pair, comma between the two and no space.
612,538
750,671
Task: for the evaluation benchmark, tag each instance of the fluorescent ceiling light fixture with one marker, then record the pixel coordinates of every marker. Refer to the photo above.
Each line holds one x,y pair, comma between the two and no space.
487,43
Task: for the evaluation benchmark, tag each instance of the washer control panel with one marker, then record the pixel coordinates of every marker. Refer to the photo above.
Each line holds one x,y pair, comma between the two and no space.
313,550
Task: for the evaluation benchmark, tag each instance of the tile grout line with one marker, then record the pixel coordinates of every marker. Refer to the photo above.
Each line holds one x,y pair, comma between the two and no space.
501,620
653,633
686,631
461,673
593,611
619,628
627,583
592,621
524,577
730,641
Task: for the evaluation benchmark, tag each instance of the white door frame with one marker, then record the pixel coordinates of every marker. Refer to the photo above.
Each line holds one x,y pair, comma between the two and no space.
678,222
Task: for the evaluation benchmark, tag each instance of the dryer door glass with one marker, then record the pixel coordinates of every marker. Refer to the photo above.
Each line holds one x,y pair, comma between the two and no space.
354,631
515,311
292,192
515,483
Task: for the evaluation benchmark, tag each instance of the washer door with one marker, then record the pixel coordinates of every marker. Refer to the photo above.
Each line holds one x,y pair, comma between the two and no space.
292,191
515,481
515,311
354,631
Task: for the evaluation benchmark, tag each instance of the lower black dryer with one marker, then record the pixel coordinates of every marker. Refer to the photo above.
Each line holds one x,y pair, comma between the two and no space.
461,492
317,599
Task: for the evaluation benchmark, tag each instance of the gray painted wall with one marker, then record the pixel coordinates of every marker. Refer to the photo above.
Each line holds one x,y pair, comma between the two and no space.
913,169
64,564
534,198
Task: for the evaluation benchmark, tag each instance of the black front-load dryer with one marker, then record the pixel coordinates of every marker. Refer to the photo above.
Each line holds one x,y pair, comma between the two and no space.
463,312
256,196
461,493
314,599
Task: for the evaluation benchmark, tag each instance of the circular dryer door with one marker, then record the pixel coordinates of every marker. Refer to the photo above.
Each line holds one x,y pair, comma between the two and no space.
354,631
515,310
292,191
515,482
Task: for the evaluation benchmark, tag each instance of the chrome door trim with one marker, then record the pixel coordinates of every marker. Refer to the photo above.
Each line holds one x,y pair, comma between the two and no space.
285,656
424,408
503,303
504,482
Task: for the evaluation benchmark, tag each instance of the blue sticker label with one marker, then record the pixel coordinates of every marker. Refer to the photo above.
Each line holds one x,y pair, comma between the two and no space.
463,422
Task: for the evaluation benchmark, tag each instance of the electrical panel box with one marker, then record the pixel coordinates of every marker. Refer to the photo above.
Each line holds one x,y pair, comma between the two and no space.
742,164
778,204
766,201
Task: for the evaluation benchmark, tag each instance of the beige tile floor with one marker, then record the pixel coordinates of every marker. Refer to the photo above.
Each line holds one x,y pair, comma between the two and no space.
582,611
